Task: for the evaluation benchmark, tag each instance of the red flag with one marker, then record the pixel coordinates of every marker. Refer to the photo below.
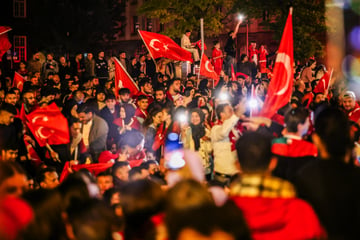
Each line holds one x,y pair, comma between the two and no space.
94,168
323,83
123,79
233,76
198,43
48,125
18,81
163,46
4,40
280,87
207,70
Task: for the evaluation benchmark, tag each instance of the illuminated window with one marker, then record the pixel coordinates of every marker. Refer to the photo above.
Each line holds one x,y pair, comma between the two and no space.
19,9
19,48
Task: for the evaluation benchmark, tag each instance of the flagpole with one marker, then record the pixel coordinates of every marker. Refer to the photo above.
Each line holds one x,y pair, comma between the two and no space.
202,44
147,47
252,97
328,87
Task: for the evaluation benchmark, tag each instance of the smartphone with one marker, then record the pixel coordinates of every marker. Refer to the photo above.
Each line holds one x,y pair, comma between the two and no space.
174,152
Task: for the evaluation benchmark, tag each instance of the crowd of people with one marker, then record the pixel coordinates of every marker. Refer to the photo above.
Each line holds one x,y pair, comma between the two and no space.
181,158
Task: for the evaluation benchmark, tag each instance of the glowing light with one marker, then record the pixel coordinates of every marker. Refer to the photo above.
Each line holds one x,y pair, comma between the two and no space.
182,118
351,68
252,103
354,38
223,96
173,136
241,17
176,160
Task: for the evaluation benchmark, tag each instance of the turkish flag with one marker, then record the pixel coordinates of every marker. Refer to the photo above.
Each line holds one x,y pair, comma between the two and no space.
94,168
207,70
198,43
280,87
18,81
163,46
48,125
323,83
123,79
4,40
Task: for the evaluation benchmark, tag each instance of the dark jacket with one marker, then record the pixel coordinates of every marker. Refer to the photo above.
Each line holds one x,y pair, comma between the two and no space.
333,189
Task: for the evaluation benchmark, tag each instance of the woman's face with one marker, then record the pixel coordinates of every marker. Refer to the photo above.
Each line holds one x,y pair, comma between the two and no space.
195,118
122,113
157,119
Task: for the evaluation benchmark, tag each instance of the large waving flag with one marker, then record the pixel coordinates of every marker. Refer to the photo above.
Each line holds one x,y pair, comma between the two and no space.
48,125
207,70
280,87
4,40
163,46
123,79
18,81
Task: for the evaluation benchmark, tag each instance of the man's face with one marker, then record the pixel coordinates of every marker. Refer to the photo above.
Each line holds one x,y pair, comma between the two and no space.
123,55
75,129
188,34
179,102
143,104
123,173
101,97
104,183
9,155
160,96
62,60
228,112
79,97
29,98
148,89
189,84
319,98
90,56
49,57
51,180
176,86
153,168
348,103
85,117
125,97
17,94
7,117
110,103
14,186
101,54
56,79
35,81
11,99
95,82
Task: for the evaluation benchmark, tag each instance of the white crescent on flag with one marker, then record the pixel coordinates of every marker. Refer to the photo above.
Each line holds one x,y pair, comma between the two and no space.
284,59
45,119
207,66
41,135
152,44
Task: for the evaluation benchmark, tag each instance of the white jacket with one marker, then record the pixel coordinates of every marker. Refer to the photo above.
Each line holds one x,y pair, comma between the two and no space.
224,158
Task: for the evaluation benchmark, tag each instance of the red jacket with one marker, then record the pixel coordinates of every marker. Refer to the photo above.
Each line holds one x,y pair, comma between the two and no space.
279,218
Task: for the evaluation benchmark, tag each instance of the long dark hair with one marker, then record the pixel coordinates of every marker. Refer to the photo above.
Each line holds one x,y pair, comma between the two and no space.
198,131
